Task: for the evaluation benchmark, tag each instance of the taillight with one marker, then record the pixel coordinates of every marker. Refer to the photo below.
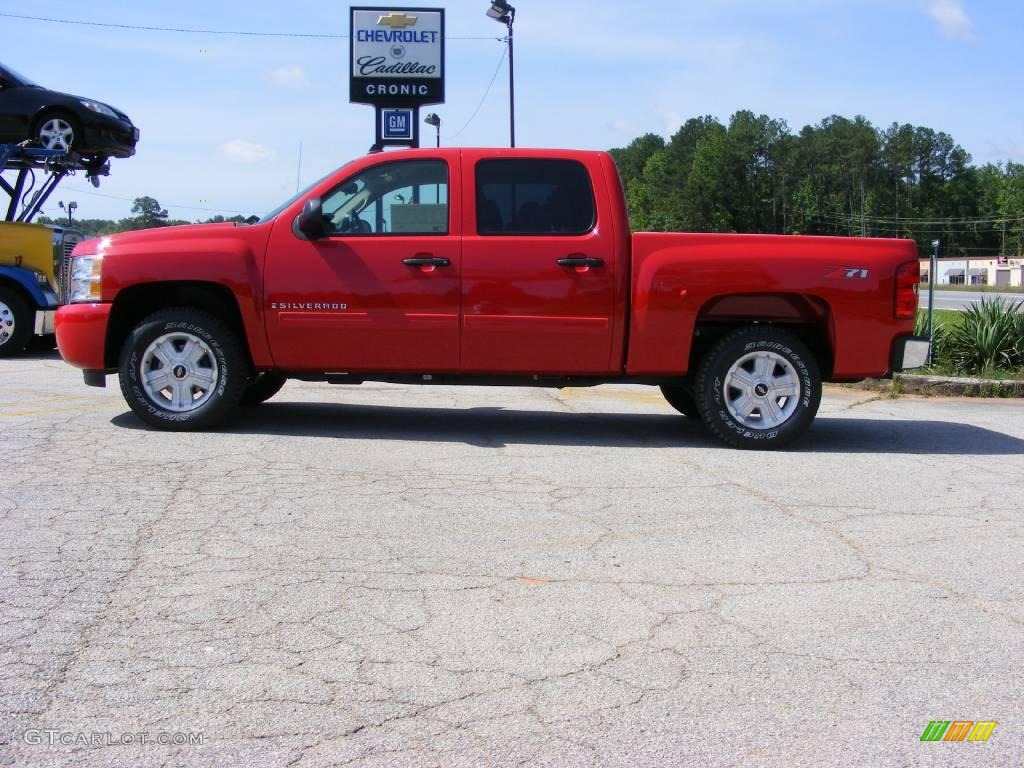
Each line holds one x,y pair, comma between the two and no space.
908,280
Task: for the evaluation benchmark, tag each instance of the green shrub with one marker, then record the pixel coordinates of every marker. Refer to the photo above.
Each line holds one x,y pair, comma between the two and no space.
989,336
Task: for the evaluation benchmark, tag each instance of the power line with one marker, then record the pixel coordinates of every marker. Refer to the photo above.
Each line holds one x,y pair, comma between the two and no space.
912,220
245,33
164,205
486,94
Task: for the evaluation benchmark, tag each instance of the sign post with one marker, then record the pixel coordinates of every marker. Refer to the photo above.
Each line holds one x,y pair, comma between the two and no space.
397,65
933,267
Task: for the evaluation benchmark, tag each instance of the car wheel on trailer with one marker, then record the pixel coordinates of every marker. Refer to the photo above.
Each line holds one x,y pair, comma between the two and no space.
262,388
759,387
15,322
680,396
57,130
183,369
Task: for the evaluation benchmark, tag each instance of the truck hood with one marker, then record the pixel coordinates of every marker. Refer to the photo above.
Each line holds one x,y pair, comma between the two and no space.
157,234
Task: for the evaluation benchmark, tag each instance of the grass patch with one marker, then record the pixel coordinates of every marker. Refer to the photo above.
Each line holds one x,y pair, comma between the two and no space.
975,289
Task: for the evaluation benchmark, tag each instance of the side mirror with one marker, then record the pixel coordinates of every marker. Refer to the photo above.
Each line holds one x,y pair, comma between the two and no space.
311,220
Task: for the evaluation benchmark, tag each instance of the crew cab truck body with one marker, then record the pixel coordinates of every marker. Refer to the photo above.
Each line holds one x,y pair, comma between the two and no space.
486,266
30,283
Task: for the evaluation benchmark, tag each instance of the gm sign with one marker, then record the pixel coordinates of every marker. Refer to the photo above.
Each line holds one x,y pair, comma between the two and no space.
397,124
397,56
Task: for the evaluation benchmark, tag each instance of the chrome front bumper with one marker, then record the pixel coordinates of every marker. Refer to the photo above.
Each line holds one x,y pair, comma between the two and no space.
909,352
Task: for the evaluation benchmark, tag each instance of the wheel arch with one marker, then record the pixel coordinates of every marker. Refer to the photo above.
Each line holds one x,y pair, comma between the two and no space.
53,109
23,285
135,303
808,317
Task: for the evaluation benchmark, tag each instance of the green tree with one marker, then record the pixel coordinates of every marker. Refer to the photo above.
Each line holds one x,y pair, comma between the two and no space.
149,213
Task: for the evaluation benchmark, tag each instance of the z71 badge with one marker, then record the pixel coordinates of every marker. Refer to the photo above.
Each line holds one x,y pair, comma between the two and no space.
846,273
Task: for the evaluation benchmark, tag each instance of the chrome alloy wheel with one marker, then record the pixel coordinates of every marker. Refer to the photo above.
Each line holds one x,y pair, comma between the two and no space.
179,372
762,390
7,326
57,133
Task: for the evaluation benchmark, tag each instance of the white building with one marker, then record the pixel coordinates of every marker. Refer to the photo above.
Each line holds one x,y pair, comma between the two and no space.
1002,272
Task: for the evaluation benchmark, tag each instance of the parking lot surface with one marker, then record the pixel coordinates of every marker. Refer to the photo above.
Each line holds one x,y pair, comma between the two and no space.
401,576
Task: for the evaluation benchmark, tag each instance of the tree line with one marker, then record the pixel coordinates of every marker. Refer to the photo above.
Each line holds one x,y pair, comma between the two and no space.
147,213
839,177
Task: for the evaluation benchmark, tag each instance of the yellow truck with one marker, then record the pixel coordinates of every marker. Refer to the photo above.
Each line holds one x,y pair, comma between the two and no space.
32,259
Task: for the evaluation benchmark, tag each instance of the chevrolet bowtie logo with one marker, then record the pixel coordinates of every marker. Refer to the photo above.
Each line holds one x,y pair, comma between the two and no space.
397,21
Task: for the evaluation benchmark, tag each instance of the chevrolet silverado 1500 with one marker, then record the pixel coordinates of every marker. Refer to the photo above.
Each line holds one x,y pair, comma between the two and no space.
486,266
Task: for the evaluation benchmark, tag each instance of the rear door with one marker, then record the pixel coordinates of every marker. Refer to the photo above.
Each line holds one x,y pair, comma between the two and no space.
538,274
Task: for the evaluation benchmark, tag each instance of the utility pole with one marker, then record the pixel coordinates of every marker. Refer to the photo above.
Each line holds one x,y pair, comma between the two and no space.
932,269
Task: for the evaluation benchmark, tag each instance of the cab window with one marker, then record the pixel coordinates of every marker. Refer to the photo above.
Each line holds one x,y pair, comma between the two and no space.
533,197
408,197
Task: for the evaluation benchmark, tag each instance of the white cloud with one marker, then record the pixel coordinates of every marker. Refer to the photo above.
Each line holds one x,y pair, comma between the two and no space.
623,126
1008,151
238,151
289,77
671,121
952,19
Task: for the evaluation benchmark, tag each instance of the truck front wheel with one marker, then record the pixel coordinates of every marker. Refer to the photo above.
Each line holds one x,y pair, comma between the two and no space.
183,369
15,319
758,388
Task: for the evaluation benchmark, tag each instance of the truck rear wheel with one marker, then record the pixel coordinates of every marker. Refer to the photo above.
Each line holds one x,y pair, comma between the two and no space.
680,397
758,388
15,322
183,369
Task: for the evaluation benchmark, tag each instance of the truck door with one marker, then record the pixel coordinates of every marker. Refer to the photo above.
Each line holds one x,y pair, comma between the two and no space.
538,275
381,293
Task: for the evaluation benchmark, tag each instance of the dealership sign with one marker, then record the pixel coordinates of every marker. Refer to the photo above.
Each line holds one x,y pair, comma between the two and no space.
397,56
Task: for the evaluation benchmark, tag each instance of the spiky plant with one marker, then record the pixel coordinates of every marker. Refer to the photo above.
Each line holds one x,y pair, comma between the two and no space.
988,337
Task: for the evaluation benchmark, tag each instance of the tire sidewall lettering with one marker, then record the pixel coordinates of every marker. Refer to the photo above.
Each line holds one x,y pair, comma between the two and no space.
725,355
214,409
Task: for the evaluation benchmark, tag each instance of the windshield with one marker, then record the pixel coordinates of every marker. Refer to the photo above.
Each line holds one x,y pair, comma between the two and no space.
297,196
17,76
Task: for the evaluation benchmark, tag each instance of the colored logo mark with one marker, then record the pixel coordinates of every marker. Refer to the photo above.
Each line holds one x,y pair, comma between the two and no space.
398,20
958,730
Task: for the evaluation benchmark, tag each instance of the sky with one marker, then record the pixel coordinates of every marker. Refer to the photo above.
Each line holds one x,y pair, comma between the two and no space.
222,116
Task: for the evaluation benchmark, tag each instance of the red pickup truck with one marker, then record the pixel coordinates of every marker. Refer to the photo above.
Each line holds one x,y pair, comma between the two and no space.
486,266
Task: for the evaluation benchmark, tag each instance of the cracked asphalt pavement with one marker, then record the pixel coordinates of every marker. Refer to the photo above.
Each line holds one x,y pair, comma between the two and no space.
400,576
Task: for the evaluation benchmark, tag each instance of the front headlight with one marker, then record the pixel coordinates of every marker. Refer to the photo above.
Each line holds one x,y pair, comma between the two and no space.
102,109
86,279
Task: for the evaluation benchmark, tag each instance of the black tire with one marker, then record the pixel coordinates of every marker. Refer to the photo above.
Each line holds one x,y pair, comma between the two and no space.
680,397
745,378
45,343
15,323
262,388
217,355
74,142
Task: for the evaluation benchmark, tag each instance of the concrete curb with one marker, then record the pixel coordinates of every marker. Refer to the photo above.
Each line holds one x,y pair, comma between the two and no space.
910,384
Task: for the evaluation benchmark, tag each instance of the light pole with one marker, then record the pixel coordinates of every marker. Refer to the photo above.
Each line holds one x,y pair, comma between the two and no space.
434,120
71,207
502,12
933,267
